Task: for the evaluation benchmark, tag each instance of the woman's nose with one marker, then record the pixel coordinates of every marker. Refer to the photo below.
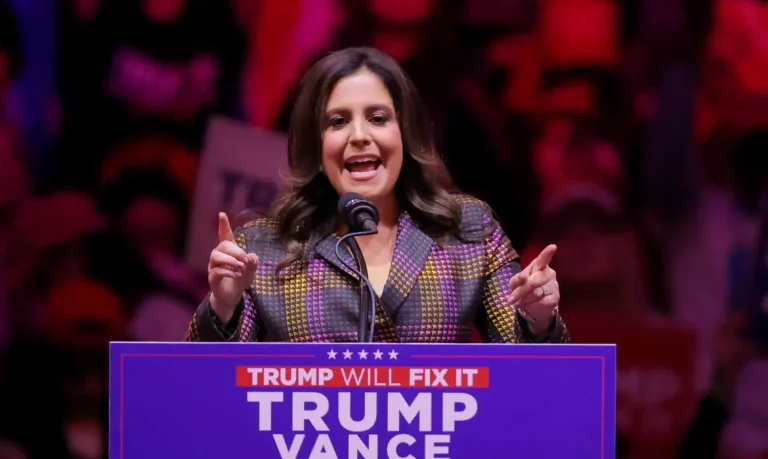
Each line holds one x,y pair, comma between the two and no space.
359,135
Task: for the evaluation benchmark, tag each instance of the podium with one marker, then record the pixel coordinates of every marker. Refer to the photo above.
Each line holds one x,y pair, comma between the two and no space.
366,401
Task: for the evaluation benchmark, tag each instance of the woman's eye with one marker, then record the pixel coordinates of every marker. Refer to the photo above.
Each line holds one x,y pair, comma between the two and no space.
337,122
379,119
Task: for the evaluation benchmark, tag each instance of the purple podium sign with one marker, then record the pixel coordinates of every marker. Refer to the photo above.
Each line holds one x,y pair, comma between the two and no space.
361,401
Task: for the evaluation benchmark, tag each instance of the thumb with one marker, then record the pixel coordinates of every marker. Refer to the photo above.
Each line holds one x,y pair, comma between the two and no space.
544,258
225,230
251,261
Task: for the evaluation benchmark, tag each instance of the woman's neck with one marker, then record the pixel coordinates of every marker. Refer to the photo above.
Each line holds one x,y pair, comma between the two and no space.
389,212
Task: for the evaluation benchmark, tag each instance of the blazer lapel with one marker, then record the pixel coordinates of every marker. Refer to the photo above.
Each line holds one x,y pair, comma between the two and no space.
412,249
326,248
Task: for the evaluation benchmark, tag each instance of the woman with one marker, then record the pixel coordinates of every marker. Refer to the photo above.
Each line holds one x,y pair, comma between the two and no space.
440,264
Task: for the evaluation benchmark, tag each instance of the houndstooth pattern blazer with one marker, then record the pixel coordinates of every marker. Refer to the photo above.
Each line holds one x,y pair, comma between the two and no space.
433,294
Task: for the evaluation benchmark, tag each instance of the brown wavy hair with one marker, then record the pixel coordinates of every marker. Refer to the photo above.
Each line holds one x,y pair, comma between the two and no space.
306,208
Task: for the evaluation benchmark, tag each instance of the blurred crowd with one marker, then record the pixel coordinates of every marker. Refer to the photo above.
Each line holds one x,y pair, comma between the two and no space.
633,134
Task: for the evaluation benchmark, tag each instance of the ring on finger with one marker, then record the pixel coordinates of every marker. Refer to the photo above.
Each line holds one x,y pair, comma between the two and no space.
544,291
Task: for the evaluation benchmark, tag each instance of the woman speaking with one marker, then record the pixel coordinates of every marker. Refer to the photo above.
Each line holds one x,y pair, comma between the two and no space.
440,264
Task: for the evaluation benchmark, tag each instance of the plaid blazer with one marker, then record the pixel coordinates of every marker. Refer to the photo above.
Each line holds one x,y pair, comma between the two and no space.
433,294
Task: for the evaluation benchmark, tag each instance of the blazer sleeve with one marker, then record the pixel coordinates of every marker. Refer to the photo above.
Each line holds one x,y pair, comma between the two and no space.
499,321
205,324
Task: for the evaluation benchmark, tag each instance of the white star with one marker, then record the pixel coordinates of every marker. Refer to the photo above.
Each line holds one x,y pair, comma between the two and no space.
393,355
363,354
347,354
332,354
377,355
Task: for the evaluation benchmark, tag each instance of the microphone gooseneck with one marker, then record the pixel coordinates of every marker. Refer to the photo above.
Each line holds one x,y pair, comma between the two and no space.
362,219
367,302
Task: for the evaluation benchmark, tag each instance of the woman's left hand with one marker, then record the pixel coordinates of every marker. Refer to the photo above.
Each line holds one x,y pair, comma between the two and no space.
535,292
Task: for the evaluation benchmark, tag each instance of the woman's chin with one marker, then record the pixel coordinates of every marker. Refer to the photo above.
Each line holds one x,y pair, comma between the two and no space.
368,192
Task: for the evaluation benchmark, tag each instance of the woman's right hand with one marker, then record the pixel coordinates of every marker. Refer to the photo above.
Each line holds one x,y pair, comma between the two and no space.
230,271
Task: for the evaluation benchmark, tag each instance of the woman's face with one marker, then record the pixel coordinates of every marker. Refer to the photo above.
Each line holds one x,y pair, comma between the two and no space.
362,146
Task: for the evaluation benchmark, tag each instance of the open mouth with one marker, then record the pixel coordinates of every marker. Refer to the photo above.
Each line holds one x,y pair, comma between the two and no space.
363,168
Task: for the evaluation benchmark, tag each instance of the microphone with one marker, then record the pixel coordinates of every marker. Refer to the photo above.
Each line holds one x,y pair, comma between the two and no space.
357,213
362,218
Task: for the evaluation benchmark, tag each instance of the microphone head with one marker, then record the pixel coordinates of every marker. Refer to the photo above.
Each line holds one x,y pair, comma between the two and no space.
354,209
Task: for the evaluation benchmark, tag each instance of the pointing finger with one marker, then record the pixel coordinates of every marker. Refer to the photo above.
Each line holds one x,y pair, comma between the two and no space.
225,230
544,258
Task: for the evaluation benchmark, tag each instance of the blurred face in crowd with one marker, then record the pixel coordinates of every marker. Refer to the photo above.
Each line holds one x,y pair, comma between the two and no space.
49,243
398,31
151,225
584,252
515,58
62,262
163,10
566,106
362,144
405,12
588,258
